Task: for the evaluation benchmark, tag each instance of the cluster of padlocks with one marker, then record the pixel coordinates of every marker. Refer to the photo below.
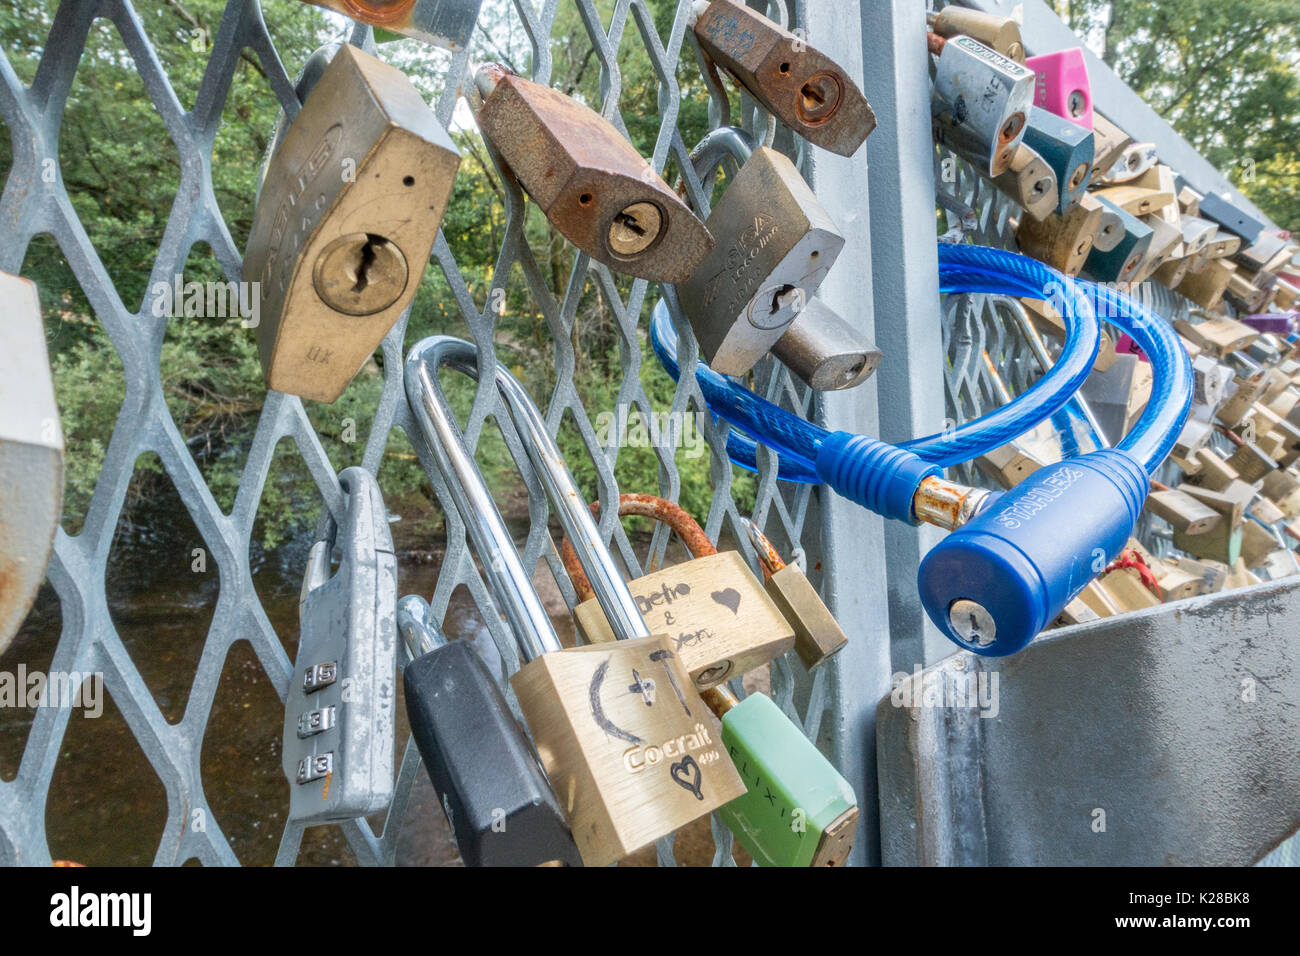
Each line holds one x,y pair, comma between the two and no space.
635,733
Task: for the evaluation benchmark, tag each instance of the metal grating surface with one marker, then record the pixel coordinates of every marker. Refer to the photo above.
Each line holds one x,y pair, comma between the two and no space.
89,640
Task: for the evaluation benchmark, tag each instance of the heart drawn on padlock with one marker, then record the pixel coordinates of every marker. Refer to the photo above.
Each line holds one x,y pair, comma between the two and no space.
686,773
729,598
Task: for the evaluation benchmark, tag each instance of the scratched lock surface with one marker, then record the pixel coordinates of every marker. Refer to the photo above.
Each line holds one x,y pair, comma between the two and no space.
90,642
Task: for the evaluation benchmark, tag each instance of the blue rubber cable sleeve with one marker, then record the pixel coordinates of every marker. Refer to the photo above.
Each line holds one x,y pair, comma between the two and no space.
1149,441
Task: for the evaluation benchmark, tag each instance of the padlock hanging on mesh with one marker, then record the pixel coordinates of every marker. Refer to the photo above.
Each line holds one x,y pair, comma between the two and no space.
1015,559
626,740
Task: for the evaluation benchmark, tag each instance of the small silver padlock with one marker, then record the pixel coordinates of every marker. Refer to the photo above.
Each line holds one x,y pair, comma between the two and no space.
339,712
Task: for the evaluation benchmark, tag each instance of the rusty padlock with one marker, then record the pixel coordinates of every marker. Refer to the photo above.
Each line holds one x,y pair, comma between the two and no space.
588,180
722,621
346,218
798,84
444,23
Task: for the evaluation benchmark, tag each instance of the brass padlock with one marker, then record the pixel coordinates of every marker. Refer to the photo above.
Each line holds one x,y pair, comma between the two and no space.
1064,242
1001,34
1183,512
1166,241
824,351
629,746
722,622
1207,286
1030,182
1222,245
775,246
1197,233
1110,143
444,23
588,180
1220,336
979,103
817,635
801,86
345,221
31,454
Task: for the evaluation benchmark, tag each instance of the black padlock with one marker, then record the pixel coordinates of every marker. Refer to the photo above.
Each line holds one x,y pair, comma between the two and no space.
497,799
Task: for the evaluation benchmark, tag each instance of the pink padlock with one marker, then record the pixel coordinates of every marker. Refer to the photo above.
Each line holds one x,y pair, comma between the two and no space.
1126,346
1062,87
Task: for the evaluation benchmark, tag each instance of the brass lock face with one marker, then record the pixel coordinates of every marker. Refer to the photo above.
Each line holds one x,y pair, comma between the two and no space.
721,621
345,221
31,454
775,246
1001,34
444,23
1031,183
1110,143
799,85
1061,241
589,181
629,746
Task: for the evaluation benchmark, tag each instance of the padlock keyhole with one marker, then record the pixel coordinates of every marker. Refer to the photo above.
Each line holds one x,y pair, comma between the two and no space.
779,298
365,260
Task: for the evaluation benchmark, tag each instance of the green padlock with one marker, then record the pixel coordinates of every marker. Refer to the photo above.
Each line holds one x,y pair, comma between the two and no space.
797,810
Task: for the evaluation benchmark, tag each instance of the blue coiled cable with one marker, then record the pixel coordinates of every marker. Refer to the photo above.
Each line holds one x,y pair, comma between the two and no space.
965,268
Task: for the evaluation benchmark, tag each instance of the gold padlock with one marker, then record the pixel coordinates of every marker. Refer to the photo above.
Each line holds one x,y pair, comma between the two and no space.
1062,241
798,84
1110,143
1183,512
722,622
345,221
588,180
1206,287
1030,182
1001,34
817,635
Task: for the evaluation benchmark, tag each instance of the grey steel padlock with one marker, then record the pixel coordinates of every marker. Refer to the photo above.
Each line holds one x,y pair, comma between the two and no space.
775,245
444,23
341,704
31,455
980,103
824,351
345,220
486,774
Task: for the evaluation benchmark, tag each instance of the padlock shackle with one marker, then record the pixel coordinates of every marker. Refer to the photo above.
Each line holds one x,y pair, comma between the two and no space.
646,506
719,144
415,624
543,454
502,566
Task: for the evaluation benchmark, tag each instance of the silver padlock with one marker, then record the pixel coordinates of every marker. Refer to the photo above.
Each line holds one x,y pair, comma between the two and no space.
31,455
980,103
341,704
824,351
775,245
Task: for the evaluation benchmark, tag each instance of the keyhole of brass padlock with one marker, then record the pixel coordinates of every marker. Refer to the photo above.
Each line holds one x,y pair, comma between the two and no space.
1077,176
819,98
360,274
635,229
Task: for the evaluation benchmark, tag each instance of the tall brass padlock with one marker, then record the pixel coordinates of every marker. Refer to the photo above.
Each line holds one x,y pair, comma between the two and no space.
630,747
1001,34
588,180
817,635
31,454
775,246
722,621
1062,241
345,221
798,84
444,23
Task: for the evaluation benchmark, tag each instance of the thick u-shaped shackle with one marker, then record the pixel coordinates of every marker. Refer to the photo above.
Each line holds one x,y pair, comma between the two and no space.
479,511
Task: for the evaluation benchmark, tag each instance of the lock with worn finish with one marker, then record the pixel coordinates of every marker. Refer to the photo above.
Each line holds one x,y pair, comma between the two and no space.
444,23
1067,148
722,622
798,810
588,180
340,708
31,455
632,751
817,635
1109,144
1064,242
798,84
1121,262
1001,34
824,351
1132,162
1031,183
980,103
1062,86
346,218
498,801
775,246
1206,286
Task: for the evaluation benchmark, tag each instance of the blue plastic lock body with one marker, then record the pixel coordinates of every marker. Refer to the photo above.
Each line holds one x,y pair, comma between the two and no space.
880,477
1032,550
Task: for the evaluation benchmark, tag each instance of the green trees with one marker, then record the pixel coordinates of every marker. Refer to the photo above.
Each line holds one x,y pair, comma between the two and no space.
1224,73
